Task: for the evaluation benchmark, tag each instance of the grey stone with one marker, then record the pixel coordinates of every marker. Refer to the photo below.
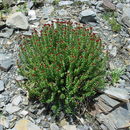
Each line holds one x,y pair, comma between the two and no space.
45,124
125,77
47,10
117,119
87,15
5,65
126,15
53,126
128,68
16,100
119,5
62,12
117,93
30,4
104,107
109,101
32,15
49,1
113,51
83,127
1,127
9,2
11,109
108,5
6,32
2,86
17,20
62,3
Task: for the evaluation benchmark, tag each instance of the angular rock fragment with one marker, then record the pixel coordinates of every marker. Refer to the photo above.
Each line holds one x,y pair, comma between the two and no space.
118,93
17,20
87,16
62,3
5,65
25,124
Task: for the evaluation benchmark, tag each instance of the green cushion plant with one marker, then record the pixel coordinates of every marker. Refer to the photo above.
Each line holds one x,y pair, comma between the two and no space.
63,64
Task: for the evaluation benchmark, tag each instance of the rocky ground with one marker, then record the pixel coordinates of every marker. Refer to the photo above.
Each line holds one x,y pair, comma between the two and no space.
111,109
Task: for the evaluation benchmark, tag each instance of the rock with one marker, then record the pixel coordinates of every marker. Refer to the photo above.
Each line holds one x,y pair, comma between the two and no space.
11,109
5,65
47,10
6,32
63,122
128,48
119,6
62,3
17,20
4,121
117,119
113,51
49,1
117,93
1,127
126,15
30,4
24,113
108,5
25,124
62,12
32,14
45,124
128,68
2,86
87,16
53,126
83,127
16,100
109,101
69,127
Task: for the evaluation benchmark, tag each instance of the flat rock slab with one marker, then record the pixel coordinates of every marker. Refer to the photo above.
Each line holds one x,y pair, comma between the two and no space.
117,119
11,109
109,101
25,124
118,93
17,20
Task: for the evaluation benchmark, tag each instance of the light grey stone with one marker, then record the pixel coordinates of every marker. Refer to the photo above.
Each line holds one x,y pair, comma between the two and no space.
17,100
119,5
32,15
24,113
2,24
113,51
1,127
117,93
2,86
128,68
11,109
47,10
62,12
53,126
17,20
6,32
87,15
5,65
62,3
